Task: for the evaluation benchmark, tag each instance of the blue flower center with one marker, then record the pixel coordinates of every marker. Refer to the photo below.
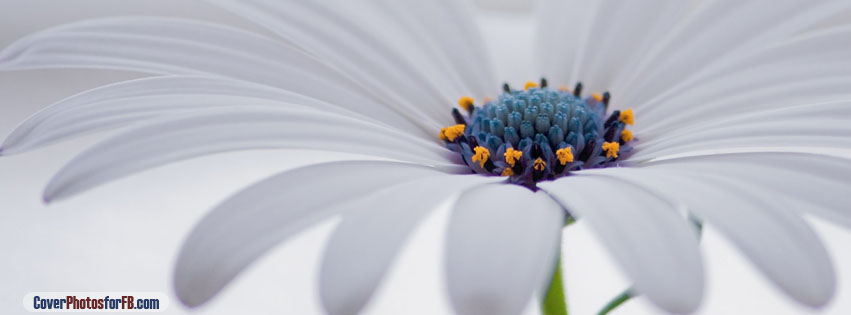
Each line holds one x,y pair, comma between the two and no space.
538,133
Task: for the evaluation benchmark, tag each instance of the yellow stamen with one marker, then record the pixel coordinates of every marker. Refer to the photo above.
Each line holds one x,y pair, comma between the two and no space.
452,132
564,88
512,156
482,154
627,117
487,99
611,149
529,85
466,103
507,172
565,155
626,135
597,97
539,164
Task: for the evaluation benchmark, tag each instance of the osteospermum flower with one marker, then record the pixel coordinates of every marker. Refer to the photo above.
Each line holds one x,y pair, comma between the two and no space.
633,150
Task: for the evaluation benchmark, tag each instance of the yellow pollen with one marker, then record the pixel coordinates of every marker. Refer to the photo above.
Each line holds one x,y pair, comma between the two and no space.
529,85
482,154
487,99
627,117
626,135
512,156
597,97
611,149
564,88
452,132
565,155
507,172
466,103
539,164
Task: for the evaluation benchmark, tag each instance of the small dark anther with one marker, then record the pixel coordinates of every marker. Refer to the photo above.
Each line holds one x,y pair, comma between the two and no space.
473,141
610,133
589,147
489,165
543,82
606,97
558,168
458,118
506,88
612,118
537,175
517,168
461,139
577,91
536,151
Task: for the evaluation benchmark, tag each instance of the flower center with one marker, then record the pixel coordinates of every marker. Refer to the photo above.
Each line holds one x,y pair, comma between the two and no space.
538,133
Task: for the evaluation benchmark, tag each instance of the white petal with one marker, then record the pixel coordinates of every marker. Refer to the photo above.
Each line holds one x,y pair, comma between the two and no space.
563,32
648,237
776,240
807,183
371,234
460,39
261,216
797,50
440,28
717,29
770,97
227,130
723,94
815,83
344,34
502,246
177,46
621,34
139,100
812,125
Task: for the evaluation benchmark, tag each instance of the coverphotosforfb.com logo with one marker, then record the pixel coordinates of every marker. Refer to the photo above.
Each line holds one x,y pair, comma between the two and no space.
117,302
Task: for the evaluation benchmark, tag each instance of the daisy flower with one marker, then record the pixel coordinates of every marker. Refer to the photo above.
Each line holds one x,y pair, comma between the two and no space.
684,116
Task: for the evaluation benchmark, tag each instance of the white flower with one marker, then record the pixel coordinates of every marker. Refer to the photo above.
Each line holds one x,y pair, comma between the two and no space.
379,78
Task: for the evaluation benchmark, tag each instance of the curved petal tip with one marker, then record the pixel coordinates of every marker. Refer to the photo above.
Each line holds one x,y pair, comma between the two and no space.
188,299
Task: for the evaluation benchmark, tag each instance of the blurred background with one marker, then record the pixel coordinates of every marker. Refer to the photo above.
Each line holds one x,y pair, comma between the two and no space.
125,236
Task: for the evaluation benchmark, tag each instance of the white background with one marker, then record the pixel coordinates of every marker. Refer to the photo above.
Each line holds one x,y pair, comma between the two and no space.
125,236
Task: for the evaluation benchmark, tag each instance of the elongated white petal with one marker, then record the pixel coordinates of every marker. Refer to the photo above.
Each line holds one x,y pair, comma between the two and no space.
622,33
796,50
178,46
457,36
772,97
812,125
256,219
434,33
371,234
502,245
776,240
807,183
140,100
715,30
343,34
647,236
816,80
564,30
227,130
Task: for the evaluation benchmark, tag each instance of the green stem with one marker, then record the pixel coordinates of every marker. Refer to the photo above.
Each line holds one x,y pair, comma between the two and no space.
627,294
617,301
555,302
